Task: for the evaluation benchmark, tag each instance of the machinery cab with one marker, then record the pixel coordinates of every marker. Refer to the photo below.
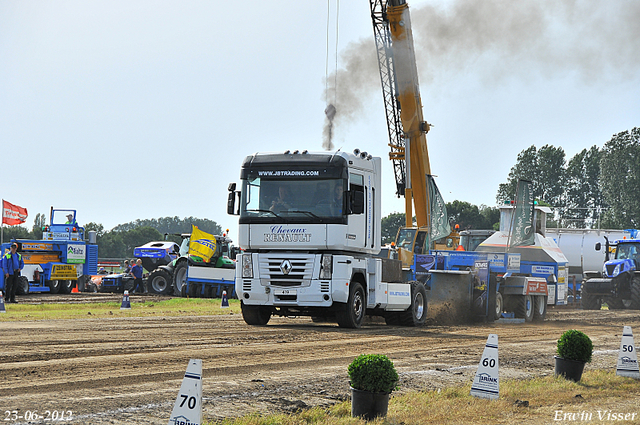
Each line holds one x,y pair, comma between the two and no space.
63,226
412,241
627,258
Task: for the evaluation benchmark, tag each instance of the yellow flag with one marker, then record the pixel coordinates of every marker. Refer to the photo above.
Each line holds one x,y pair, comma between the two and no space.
202,244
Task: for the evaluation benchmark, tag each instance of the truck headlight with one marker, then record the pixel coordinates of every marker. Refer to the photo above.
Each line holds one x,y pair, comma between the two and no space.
326,266
247,266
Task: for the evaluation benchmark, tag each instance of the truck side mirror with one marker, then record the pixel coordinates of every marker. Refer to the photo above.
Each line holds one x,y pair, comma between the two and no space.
357,202
598,246
231,200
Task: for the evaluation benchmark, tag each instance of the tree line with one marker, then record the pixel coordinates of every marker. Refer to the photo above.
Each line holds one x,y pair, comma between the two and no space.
595,188
120,241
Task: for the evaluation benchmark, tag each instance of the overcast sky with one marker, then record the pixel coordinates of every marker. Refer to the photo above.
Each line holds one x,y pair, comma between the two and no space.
145,109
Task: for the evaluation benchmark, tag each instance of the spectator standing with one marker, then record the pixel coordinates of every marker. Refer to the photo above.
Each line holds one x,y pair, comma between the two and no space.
137,274
12,263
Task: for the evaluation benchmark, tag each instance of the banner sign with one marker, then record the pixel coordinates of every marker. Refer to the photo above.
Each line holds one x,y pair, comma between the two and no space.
522,226
13,214
202,244
439,220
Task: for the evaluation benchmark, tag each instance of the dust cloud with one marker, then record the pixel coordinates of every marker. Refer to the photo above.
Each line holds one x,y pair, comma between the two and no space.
593,41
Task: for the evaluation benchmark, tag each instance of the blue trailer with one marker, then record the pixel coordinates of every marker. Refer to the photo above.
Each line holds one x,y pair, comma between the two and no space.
498,280
56,262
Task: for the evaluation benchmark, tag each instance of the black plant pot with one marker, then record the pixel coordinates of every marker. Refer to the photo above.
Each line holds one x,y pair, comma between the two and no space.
368,405
570,369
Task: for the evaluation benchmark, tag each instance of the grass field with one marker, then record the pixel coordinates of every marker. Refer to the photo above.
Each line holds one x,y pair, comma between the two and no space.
171,307
600,397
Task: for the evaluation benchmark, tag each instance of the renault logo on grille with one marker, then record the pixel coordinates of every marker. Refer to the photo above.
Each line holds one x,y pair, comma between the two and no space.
285,267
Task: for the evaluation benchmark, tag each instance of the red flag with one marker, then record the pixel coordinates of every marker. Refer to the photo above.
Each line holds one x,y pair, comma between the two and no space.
13,214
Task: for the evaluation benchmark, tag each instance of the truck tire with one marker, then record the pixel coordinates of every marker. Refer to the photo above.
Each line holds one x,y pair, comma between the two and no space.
255,315
540,308
589,302
352,314
54,286
128,285
614,303
391,318
180,276
159,282
195,290
635,293
416,314
23,286
524,308
499,305
66,286
208,291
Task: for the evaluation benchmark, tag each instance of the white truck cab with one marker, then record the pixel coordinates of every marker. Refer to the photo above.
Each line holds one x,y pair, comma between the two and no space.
309,228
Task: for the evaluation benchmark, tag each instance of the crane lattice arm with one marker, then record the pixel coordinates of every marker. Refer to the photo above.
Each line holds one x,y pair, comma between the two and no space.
403,106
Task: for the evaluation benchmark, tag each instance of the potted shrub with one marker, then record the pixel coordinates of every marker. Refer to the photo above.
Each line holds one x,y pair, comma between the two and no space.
372,377
574,351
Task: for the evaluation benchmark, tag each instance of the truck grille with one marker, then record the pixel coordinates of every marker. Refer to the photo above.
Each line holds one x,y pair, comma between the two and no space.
610,269
274,268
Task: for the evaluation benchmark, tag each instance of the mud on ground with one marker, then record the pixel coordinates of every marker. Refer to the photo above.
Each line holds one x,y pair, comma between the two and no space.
117,371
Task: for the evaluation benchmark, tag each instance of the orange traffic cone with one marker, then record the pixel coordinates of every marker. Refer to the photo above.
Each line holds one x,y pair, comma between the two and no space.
75,289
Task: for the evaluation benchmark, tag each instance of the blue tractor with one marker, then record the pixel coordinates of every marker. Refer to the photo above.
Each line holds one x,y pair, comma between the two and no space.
619,285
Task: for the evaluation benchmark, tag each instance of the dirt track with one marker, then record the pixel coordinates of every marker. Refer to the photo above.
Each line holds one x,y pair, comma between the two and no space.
114,371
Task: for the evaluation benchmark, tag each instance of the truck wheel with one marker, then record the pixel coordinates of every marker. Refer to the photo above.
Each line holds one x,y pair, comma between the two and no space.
23,286
159,282
352,314
194,290
589,302
499,305
391,318
540,310
128,285
635,293
180,276
614,303
208,291
66,286
416,314
255,315
54,286
524,308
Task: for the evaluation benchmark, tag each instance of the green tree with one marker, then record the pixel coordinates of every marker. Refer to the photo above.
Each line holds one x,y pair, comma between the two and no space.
390,225
97,227
15,232
173,225
525,168
491,217
583,197
469,216
38,223
137,237
544,167
620,179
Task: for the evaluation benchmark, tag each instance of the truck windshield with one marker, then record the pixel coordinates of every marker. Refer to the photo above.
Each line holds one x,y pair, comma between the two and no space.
628,251
293,201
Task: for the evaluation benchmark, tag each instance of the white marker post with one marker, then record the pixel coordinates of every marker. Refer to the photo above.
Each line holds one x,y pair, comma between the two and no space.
188,407
486,383
627,356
